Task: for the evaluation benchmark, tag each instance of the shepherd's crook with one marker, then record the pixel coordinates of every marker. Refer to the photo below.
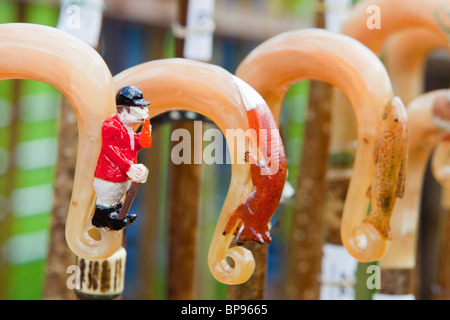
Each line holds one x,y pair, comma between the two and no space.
322,55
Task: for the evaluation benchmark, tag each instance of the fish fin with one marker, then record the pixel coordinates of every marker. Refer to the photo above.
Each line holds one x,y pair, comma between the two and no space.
401,181
376,153
369,192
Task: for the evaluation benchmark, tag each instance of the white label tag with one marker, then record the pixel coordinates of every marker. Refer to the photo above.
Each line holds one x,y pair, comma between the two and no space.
198,44
338,273
82,18
383,296
336,12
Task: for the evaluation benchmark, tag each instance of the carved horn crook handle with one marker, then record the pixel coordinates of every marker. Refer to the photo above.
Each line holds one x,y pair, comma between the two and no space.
394,16
340,60
40,53
232,105
440,164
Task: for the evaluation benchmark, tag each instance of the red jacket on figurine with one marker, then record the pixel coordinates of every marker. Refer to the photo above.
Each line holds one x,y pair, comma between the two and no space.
117,153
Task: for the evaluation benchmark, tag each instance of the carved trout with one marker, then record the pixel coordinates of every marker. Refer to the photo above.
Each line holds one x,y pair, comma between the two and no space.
390,162
268,173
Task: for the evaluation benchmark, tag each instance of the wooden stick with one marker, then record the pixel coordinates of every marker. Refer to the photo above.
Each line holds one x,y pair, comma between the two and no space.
398,281
306,229
184,204
441,289
153,202
255,287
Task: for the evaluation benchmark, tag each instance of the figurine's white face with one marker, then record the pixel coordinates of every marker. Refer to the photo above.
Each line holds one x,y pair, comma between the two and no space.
136,115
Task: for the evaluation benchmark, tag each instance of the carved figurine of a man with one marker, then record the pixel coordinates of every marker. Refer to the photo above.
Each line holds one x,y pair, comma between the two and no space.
117,164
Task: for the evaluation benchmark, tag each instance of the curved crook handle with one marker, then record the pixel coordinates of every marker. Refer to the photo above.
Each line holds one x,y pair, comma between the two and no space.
342,61
49,55
405,57
424,133
440,164
373,21
255,187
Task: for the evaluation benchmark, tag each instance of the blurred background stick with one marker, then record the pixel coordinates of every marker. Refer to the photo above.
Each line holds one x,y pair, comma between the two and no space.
185,181
441,288
59,256
255,287
306,226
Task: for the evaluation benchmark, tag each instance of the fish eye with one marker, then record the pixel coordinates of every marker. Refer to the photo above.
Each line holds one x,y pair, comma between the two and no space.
395,119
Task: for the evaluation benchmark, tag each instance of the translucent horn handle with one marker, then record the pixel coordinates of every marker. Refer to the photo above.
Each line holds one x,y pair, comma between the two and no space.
405,57
342,61
372,21
49,55
215,93
424,135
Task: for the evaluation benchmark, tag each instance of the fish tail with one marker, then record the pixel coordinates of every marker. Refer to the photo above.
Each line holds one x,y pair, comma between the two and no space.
381,223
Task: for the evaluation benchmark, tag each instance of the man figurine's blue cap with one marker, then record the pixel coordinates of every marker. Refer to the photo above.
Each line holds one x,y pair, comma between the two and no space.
131,96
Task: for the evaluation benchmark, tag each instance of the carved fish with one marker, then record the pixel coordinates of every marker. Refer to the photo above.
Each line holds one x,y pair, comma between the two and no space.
390,162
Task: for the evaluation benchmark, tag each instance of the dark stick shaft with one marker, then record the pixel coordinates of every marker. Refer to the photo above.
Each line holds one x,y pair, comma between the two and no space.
306,239
129,199
184,205
255,287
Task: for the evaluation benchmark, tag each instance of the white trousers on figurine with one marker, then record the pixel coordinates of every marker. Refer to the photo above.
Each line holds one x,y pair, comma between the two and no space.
109,194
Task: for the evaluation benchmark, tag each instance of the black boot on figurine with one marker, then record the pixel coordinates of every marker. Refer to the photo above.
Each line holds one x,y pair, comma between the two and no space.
127,221
107,217
114,223
101,216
